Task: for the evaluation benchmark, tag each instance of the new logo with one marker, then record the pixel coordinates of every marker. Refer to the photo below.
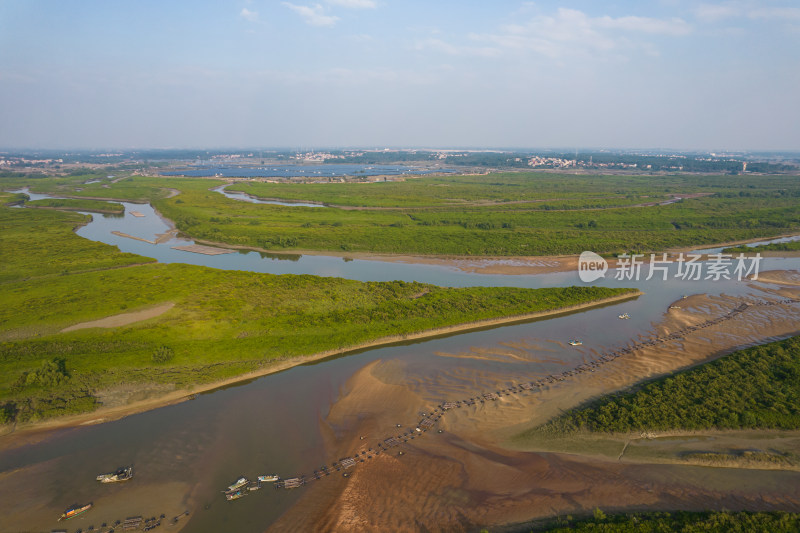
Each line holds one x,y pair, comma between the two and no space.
591,267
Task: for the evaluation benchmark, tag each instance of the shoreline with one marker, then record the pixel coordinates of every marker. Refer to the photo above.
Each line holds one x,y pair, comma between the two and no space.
79,209
499,479
504,265
99,416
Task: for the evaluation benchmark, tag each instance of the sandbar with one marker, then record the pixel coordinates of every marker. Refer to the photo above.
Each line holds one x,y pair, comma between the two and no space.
477,473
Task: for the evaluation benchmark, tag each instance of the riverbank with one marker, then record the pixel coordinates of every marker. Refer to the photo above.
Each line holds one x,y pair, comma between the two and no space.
26,433
68,208
492,265
479,472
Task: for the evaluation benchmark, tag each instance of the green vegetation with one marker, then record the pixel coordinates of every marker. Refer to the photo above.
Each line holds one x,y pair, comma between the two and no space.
454,218
682,521
757,387
223,323
791,246
78,204
545,192
743,458
42,243
12,198
523,213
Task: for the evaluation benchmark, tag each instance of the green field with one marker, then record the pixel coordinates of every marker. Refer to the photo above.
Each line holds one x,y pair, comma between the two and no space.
470,215
223,323
684,522
757,388
78,204
792,246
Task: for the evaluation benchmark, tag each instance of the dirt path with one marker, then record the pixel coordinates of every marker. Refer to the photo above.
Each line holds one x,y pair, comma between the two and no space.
123,319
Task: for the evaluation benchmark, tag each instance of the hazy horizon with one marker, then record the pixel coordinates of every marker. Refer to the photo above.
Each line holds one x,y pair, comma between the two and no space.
717,76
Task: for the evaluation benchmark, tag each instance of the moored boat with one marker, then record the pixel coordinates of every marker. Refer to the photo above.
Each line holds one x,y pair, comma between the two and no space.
121,474
235,495
238,484
74,510
268,478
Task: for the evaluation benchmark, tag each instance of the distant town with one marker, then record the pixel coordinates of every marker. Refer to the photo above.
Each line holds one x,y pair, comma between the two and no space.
475,161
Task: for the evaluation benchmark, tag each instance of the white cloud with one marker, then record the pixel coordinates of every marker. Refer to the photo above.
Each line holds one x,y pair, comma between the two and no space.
246,14
313,14
570,32
673,26
713,12
745,8
456,50
354,4
783,13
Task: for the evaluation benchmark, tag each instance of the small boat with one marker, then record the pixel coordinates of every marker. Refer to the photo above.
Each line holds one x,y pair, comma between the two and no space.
74,510
122,474
254,485
575,342
235,495
624,316
268,478
238,484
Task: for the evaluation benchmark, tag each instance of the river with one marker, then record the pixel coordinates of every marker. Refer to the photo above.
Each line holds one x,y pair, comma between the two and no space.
273,424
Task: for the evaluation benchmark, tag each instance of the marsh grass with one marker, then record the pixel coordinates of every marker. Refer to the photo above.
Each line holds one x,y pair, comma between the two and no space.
223,323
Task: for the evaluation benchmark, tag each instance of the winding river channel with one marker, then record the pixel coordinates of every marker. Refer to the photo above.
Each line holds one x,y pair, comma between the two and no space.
184,454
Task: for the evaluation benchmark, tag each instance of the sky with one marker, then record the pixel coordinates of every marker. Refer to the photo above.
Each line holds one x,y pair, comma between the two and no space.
678,74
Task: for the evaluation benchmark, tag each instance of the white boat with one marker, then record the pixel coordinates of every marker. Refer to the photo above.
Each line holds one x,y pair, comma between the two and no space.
268,478
122,474
624,316
239,483
575,342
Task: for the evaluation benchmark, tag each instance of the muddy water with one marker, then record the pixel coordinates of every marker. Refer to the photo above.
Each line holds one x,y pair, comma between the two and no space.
188,452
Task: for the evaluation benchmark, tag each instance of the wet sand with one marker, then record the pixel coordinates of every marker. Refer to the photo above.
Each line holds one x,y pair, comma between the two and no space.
24,506
479,472
780,277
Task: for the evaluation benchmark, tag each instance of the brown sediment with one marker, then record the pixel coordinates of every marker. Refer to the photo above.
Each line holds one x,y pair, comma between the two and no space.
26,508
780,277
507,265
123,319
477,473
24,434
164,237
121,234
205,250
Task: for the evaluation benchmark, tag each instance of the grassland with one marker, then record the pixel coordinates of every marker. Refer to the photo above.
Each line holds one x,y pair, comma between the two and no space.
685,522
755,388
792,246
77,204
520,214
223,323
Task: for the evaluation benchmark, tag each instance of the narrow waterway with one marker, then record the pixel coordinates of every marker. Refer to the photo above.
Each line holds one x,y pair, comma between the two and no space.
272,424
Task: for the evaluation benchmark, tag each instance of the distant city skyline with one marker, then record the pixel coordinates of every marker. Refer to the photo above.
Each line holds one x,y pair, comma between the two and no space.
671,74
